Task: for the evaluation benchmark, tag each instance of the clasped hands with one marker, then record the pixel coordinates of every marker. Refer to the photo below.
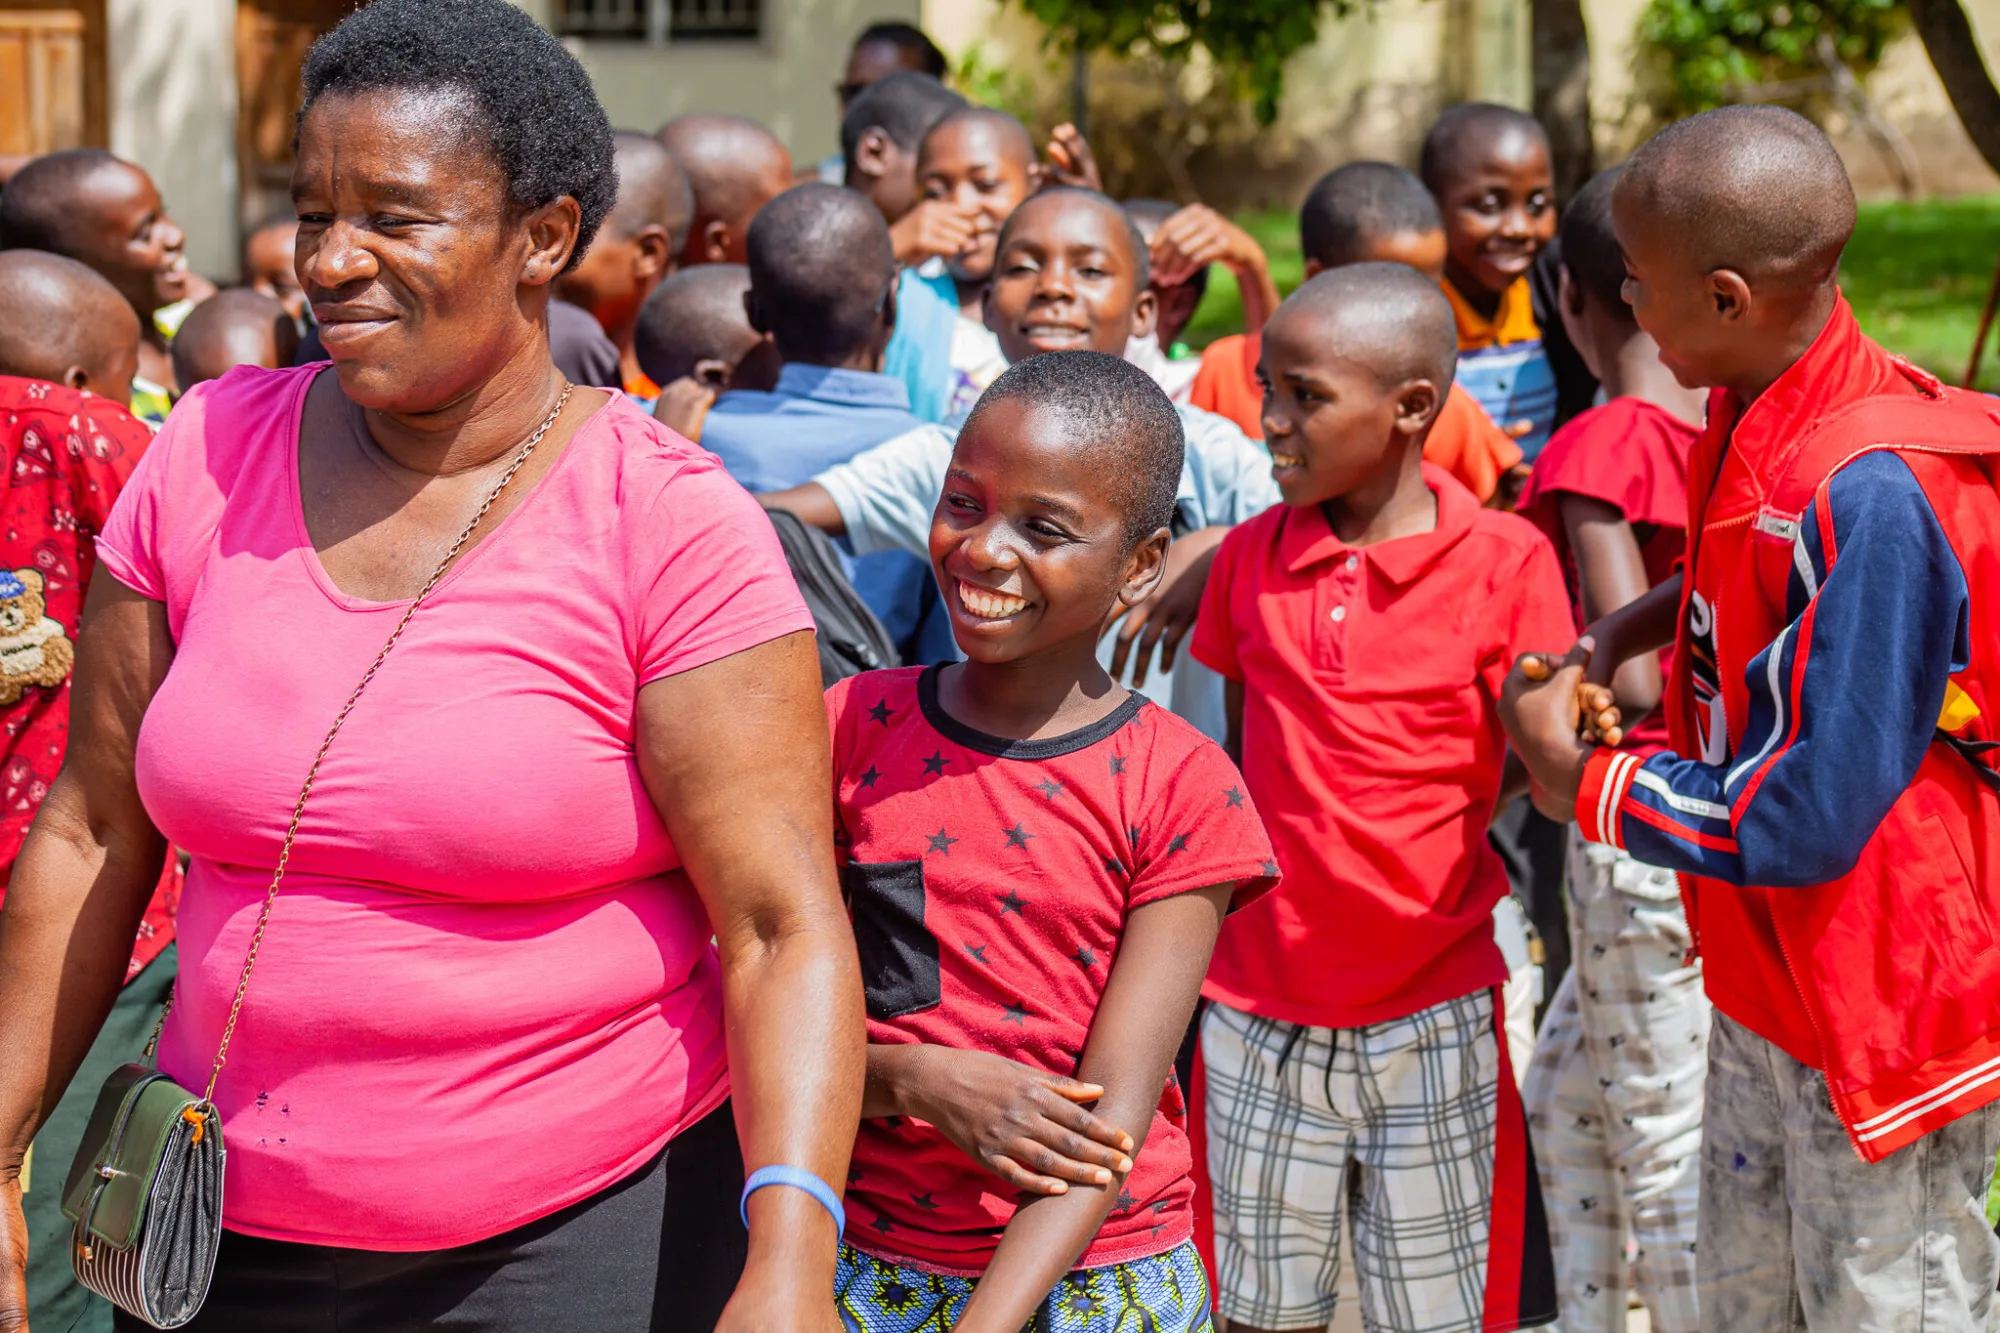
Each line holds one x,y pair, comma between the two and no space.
1032,1129
1557,711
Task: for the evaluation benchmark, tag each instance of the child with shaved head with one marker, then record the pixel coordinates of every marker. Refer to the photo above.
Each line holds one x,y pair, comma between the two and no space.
1071,274
1038,860
693,338
1489,168
880,137
982,162
61,322
106,212
734,166
1829,793
633,252
238,326
1354,1067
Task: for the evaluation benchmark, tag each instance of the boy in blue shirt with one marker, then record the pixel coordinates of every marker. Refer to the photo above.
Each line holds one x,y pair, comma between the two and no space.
822,288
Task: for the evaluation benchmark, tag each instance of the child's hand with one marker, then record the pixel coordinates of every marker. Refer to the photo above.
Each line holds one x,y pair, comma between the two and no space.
683,405
1026,1127
1196,237
1070,161
1599,720
1165,618
1542,705
935,227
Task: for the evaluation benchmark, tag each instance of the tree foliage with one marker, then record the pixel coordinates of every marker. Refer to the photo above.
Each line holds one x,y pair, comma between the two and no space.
1709,53
1249,40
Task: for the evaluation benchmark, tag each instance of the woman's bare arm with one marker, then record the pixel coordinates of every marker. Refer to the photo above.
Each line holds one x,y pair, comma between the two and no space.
736,755
79,888
1138,1027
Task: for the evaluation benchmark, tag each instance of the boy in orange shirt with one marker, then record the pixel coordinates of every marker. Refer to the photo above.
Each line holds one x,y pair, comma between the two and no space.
1367,211
1488,167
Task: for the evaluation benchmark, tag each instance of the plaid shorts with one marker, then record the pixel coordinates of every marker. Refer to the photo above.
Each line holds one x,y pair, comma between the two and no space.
1413,1129
1166,1293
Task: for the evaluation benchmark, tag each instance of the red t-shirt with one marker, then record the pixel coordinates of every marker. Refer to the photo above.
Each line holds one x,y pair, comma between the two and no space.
1372,742
1633,455
68,455
990,881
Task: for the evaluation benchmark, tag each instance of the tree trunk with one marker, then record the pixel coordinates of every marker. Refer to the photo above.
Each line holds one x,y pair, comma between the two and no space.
1561,47
1954,53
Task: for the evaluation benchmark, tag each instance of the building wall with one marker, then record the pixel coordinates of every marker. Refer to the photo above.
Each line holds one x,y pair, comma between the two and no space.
786,80
172,99
1373,80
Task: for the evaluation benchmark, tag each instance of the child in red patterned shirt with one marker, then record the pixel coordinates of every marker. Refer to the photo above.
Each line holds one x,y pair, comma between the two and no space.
69,346
1038,861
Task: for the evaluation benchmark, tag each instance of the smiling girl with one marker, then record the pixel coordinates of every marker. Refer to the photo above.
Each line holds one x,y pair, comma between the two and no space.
1038,862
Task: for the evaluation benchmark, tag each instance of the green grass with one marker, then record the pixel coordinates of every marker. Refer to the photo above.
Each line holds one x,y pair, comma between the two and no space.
1917,274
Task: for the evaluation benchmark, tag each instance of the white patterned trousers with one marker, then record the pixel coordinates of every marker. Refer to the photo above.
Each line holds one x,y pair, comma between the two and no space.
1614,1098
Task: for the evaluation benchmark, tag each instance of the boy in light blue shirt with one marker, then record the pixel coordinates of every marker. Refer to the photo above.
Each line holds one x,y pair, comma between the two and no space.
1070,272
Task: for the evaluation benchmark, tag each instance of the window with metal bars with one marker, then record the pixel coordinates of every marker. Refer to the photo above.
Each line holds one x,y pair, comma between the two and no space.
661,20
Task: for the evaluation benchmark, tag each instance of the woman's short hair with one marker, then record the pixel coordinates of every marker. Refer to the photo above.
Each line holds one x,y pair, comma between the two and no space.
527,93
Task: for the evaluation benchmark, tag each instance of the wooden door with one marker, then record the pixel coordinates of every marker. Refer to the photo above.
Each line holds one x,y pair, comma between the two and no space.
51,76
272,38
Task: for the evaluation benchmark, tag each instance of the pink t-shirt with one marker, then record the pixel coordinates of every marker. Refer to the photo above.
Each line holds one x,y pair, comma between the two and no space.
487,990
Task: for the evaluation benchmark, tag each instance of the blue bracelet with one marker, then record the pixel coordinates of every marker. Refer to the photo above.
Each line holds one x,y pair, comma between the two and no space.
799,1178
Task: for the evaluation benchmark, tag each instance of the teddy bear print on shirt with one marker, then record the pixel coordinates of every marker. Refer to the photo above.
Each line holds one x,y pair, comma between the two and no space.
34,650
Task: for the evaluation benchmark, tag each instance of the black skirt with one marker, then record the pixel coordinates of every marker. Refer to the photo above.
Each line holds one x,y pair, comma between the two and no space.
658,1252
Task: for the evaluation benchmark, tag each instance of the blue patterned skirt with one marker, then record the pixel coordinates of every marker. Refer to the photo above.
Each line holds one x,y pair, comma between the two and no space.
1167,1293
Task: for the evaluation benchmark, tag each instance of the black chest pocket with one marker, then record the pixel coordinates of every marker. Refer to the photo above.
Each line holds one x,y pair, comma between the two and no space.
899,955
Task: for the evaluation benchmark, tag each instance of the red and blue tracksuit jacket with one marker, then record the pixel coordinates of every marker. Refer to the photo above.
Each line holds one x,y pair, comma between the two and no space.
1830,797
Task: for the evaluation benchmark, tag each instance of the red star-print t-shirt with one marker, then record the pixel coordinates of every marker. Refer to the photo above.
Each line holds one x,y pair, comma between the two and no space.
990,880
68,455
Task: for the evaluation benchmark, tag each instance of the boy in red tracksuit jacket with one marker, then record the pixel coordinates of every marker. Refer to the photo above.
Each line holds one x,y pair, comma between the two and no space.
1829,797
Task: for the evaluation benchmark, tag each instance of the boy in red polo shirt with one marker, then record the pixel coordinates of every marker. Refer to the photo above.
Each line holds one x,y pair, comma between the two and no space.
1038,861
1364,628
1614,1090
1830,797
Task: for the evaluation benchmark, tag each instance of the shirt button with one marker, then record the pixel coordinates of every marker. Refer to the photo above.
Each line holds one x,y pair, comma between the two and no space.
1339,614
1354,562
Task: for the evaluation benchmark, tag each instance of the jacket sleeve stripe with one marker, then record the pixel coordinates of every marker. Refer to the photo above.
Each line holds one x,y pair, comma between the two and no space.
1675,829
1791,678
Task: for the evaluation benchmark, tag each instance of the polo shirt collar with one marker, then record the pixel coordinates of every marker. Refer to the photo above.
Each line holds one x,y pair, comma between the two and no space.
1307,539
1513,321
848,388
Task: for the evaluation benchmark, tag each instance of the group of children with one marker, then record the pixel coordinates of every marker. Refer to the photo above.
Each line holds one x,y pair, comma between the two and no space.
1162,1001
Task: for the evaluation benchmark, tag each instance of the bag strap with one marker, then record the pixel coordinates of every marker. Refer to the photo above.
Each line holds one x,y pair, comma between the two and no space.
312,774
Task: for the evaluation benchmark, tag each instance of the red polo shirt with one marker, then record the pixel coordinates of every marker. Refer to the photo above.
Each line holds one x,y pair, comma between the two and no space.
1373,748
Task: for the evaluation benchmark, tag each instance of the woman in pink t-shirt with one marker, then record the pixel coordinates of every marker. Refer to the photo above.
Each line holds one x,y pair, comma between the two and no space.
562,906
